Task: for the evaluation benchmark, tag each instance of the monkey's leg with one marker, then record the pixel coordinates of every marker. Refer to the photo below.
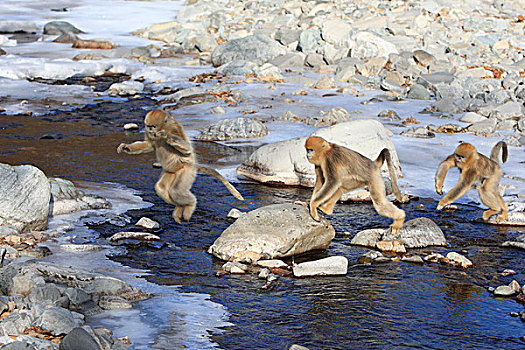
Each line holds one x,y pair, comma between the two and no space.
181,195
488,193
163,184
328,206
382,205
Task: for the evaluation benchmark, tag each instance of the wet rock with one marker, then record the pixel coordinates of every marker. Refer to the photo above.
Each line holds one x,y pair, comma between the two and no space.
147,223
506,291
370,256
413,259
235,267
459,259
24,197
255,48
140,236
263,274
66,198
334,265
237,128
60,27
508,272
79,338
391,246
286,163
273,231
93,44
235,213
516,215
131,126
417,233
272,263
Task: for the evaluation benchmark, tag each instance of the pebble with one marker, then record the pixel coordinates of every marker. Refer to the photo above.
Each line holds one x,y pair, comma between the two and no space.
131,126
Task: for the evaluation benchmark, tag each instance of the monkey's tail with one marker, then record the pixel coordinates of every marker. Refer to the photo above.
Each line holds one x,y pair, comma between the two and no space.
212,172
495,152
385,155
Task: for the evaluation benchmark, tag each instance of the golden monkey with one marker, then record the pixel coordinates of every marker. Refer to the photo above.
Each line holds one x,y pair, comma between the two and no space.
339,170
473,167
174,151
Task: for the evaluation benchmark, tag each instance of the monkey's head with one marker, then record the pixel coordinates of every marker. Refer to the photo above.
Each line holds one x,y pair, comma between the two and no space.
465,153
154,122
316,149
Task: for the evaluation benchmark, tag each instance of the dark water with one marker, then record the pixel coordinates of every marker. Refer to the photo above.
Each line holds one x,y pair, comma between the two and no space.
380,306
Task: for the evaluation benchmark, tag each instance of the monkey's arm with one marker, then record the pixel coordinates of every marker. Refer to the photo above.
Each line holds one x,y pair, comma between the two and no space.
177,142
135,147
319,179
465,182
326,192
442,172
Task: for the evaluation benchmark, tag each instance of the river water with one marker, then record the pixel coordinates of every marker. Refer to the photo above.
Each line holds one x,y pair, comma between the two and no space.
383,306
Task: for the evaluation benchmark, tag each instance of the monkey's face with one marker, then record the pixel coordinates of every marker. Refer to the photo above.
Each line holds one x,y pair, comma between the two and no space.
154,122
463,153
316,147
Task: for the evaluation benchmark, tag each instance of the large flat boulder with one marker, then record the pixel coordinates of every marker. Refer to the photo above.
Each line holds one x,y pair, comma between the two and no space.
255,48
24,197
270,232
285,162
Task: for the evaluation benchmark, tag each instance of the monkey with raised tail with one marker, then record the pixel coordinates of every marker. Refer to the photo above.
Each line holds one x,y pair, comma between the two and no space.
174,151
474,167
339,170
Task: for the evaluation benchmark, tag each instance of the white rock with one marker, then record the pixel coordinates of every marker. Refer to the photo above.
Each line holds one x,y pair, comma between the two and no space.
334,265
272,263
471,117
459,259
131,126
141,236
148,223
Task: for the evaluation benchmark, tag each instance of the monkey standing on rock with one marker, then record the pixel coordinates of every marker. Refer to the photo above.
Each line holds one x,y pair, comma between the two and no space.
474,166
174,151
339,170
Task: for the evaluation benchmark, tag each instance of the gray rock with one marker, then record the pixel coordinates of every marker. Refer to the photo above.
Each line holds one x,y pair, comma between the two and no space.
309,40
255,48
237,128
48,291
126,88
80,247
472,117
14,26
59,320
291,59
417,233
238,67
418,132
484,126
334,265
140,236
423,57
205,42
418,92
19,345
217,110
314,60
112,302
504,291
285,162
66,198
286,36
391,86
79,338
413,259
60,27
325,82
68,38
446,105
431,80
24,197
234,213
271,232
235,267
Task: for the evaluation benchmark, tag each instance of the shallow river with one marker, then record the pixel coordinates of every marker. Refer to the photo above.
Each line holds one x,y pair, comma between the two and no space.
384,306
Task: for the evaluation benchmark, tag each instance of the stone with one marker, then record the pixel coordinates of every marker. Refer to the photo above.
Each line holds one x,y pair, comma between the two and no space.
291,59
272,263
334,265
15,26
255,48
234,213
417,233
93,44
314,60
368,45
325,82
60,27
413,259
24,197
79,338
147,223
80,247
424,58
131,126
273,231
391,246
471,117
268,165
59,320
140,236
504,291
67,38
67,198
217,110
418,132
112,302
484,126
235,128
459,259
126,88
418,92
309,40
235,267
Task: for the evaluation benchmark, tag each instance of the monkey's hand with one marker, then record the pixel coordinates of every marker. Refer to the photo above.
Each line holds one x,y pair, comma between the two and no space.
314,214
304,204
439,190
161,134
123,148
440,205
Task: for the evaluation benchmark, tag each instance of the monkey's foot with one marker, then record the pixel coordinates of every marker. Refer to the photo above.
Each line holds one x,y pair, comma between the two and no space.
488,213
327,211
504,216
177,215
